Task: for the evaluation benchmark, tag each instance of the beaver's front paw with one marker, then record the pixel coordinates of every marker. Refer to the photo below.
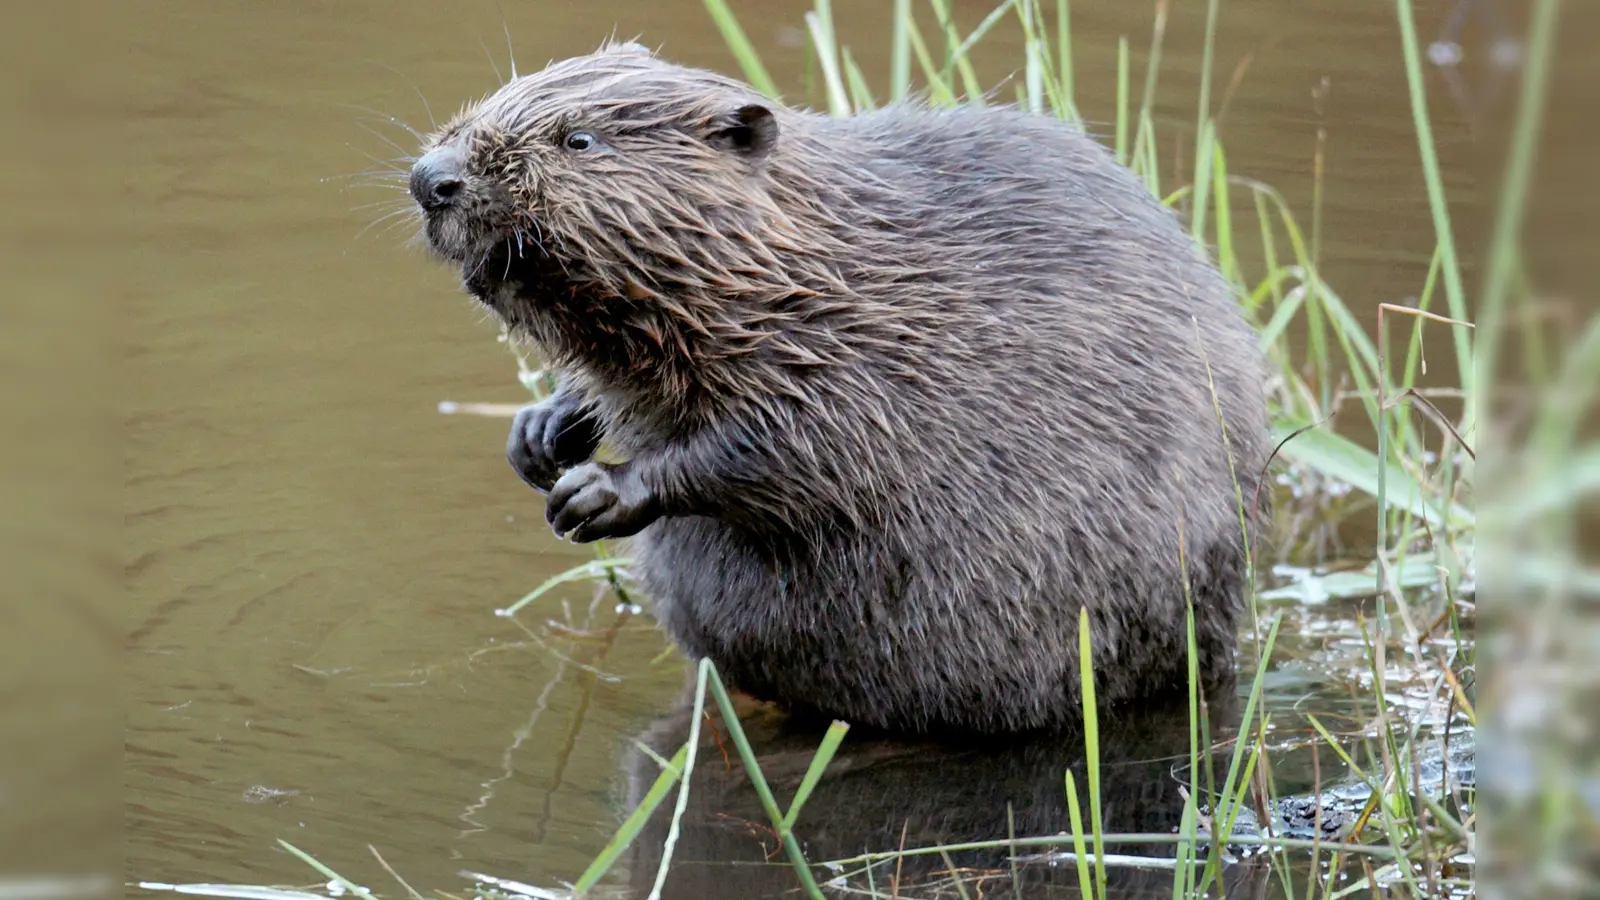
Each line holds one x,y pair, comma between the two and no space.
548,436
597,501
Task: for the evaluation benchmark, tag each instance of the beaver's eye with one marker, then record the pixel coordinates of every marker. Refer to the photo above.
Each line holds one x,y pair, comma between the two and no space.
580,140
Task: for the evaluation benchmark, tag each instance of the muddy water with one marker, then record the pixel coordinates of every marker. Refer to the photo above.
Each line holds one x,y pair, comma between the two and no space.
314,553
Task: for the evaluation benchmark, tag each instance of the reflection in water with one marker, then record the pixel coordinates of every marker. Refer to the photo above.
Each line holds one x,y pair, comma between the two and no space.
508,757
881,794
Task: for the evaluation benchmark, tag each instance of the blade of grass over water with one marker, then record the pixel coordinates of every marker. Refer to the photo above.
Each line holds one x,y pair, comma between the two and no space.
1455,293
955,878
1557,434
226,891
1203,126
1122,100
978,33
1091,741
1086,883
953,58
1382,534
684,778
635,823
1064,56
1201,189
1225,807
900,53
1183,883
820,23
1041,86
586,571
791,846
1227,255
819,762
1375,851
743,51
1033,88
1357,466
1011,851
1144,141
940,91
860,92
1515,187
327,873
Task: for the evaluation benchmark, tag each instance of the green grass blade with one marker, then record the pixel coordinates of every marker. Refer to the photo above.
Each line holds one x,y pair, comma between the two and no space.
1381,533
1122,100
740,45
1064,54
1269,244
1570,398
769,804
819,762
593,569
820,23
1224,809
632,825
860,91
1285,307
1144,155
1183,879
1414,349
900,53
1199,205
1203,107
1033,58
1518,178
961,65
940,90
1041,77
1227,252
1205,129
1455,294
687,769
1085,880
1340,458
1144,143
1011,851
1091,743
955,878
328,873
977,34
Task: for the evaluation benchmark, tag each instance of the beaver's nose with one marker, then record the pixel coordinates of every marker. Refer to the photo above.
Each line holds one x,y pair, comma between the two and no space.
436,179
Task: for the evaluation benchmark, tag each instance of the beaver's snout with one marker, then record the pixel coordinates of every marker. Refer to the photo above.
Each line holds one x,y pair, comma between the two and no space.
437,178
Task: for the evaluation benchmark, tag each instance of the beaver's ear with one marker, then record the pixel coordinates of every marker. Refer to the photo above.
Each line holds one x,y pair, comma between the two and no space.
749,131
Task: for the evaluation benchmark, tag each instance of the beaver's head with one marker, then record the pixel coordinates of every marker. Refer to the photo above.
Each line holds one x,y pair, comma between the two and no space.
604,175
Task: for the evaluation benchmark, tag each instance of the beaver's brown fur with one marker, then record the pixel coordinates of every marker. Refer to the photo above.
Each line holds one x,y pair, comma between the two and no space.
898,393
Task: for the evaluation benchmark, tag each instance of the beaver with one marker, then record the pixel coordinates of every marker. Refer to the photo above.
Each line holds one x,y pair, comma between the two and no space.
894,394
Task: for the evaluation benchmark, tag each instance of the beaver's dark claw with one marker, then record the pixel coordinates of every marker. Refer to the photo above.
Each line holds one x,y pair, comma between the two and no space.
595,501
556,433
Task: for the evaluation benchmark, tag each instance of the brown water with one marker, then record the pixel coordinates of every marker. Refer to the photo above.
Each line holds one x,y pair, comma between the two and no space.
314,553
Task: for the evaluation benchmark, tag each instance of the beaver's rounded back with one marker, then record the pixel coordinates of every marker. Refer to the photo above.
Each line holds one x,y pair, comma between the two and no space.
907,389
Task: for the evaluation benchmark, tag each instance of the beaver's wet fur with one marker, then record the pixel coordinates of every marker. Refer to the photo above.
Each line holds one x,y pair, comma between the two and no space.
897,393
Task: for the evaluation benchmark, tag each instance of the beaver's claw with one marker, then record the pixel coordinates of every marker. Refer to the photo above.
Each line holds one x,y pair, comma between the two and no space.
556,433
596,500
